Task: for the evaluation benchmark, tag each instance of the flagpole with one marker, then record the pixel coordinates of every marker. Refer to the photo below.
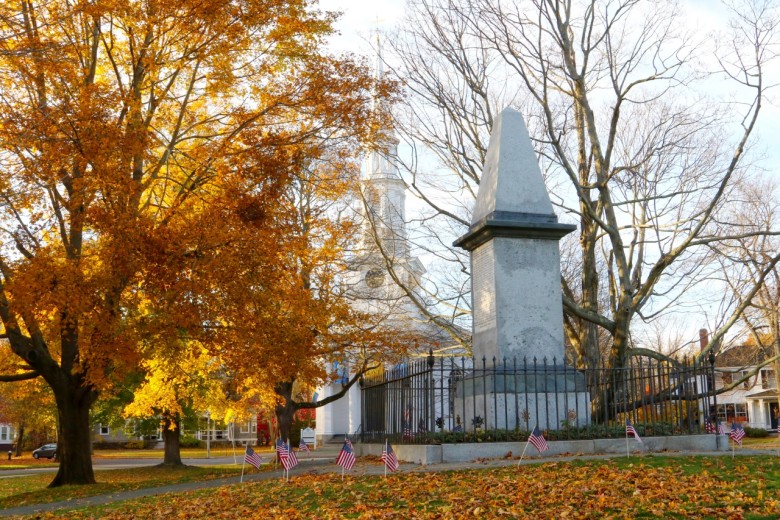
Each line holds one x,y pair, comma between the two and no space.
233,434
242,469
289,453
342,473
522,454
628,451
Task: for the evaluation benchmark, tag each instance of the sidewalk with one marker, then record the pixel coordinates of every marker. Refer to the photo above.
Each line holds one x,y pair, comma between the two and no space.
322,462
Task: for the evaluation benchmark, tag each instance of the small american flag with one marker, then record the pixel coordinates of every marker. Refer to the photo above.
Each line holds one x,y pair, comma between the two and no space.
303,446
389,458
346,457
292,459
538,440
252,457
737,433
286,456
721,429
631,431
709,426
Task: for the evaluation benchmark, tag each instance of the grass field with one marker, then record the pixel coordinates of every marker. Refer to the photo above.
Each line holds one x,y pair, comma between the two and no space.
642,487
20,491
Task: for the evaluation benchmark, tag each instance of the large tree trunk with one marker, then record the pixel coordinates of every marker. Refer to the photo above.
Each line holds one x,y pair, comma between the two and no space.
171,435
74,446
286,409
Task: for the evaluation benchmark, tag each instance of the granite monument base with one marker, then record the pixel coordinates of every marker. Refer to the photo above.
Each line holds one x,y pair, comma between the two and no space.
551,400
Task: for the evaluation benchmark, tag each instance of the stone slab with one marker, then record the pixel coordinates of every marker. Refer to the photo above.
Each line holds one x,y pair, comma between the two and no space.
466,452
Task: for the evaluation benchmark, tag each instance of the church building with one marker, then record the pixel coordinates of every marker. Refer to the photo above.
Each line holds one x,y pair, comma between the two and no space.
379,276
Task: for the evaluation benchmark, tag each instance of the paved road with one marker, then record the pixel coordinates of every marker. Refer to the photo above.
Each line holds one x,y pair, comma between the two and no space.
328,452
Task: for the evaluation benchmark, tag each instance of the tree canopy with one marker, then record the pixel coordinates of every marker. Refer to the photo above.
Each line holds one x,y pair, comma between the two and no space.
143,147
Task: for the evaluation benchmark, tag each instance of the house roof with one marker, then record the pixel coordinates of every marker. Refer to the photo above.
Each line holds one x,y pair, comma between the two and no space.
766,394
740,356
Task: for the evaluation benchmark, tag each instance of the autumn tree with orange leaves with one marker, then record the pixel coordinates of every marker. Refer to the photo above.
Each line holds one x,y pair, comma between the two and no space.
296,308
144,146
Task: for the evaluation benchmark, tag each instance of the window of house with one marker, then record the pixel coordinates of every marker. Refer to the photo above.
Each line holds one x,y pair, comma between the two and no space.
747,384
247,427
727,378
4,433
104,430
732,412
768,379
721,413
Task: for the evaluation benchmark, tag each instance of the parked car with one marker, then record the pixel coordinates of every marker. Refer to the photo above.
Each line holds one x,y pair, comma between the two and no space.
47,450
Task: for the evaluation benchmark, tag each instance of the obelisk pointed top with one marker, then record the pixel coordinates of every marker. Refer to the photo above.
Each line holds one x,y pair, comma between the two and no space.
511,179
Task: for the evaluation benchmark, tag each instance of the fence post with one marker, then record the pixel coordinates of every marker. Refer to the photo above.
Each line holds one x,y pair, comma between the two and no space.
515,386
431,394
494,377
711,359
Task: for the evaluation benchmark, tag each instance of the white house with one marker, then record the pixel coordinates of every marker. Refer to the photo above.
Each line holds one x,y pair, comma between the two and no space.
7,436
753,402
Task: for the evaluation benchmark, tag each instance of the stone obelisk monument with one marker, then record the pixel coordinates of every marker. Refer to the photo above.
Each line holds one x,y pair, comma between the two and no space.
516,285
515,262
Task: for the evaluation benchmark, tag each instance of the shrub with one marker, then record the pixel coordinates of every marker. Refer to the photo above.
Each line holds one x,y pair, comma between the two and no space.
295,430
135,445
756,433
104,445
189,441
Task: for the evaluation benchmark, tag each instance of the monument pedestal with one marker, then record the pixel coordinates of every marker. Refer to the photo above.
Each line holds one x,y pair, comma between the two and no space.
551,398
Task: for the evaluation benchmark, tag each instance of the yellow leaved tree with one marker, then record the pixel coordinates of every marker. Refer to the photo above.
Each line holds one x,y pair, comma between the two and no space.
143,144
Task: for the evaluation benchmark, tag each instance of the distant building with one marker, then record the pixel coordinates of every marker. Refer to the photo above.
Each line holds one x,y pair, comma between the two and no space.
384,249
754,402
7,436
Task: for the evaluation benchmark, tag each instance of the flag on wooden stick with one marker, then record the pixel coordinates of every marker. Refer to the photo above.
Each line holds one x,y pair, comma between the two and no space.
251,457
292,459
538,440
389,458
630,430
737,433
346,458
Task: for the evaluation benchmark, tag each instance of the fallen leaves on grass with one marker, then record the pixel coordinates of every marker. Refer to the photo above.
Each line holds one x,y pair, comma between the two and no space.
553,490
32,489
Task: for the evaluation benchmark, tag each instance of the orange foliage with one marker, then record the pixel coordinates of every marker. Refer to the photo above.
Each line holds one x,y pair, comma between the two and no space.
553,490
146,149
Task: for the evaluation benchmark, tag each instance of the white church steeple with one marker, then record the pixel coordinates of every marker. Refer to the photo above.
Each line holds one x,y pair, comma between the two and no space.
384,190
384,235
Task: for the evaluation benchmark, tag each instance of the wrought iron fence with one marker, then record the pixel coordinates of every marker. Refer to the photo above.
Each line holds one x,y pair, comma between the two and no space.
460,399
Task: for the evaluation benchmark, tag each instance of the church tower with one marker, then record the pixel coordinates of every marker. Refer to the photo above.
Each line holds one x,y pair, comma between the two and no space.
383,244
383,249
